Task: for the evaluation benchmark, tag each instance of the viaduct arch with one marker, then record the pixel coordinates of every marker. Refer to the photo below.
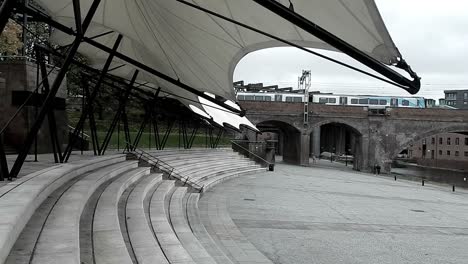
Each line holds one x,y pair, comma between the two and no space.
379,136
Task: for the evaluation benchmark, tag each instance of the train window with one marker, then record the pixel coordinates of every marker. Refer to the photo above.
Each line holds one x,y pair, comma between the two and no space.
258,98
354,101
249,97
240,97
332,100
279,98
383,102
405,103
364,101
373,101
323,100
297,99
267,98
289,99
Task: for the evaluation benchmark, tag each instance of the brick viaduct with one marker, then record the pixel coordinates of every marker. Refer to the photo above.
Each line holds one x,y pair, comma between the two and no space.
379,138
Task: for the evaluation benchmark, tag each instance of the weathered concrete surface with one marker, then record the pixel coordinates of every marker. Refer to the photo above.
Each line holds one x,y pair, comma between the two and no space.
380,137
21,77
318,215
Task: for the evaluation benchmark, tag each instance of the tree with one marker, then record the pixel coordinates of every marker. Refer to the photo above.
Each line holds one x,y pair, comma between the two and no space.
10,40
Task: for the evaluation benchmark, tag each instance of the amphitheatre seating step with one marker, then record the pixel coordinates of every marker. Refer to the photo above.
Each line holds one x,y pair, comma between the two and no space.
86,224
183,231
145,246
202,173
24,246
193,150
199,159
59,239
20,199
168,240
200,168
109,245
225,232
209,183
214,171
199,231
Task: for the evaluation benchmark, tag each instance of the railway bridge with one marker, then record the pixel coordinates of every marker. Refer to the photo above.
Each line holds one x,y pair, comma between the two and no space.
373,137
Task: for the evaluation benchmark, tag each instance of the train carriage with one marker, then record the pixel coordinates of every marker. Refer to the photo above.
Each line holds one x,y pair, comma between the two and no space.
337,99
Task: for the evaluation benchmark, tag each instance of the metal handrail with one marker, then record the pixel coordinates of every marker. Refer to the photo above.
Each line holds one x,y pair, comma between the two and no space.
251,153
158,163
71,129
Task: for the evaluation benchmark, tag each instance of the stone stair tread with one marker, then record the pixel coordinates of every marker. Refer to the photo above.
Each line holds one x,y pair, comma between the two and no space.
58,240
183,231
200,232
109,244
229,237
20,199
145,246
168,240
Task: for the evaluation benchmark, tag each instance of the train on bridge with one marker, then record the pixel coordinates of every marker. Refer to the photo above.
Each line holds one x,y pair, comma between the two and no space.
337,99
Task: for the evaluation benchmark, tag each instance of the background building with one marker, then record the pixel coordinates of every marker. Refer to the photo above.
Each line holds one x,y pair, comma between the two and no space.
447,150
457,98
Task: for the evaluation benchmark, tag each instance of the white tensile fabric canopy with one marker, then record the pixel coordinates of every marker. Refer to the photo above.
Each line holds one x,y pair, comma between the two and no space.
201,50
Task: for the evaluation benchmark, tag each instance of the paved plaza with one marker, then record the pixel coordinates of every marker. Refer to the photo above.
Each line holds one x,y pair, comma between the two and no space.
324,215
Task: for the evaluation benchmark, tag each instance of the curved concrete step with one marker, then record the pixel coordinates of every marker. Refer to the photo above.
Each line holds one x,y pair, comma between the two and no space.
20,199
21,252
189,151
59,240
213,172
200,232
197,156
168,240
109,245
225,232
202,160
145,246
190,167
209,183
183,231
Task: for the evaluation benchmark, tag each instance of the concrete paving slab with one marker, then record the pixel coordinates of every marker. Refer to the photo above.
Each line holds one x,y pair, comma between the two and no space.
321,215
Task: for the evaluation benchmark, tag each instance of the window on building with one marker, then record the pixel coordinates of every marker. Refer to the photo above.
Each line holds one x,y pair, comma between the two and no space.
373,101
364,101
410,153
354,101
433,140
466,153
441,141
457,141
451,96
440,153
466,141
457,153
448,152
432,154
449,141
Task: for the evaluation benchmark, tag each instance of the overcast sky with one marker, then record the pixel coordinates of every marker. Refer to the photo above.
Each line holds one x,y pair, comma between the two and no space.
432,36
